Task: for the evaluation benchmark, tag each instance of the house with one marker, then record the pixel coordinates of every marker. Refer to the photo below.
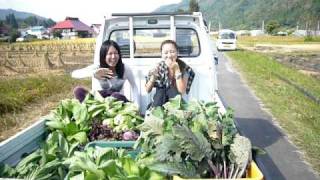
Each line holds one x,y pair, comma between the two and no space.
282,33
38,31
243,33
300,32
4,33
72,28
96,29
257,32
4,30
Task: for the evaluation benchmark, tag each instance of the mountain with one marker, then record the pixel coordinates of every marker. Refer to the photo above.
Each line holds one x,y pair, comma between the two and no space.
17,14
173,7
249,14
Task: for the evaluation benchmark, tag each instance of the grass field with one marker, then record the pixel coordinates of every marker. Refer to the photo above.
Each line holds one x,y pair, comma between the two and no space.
287,40
296,113
25,95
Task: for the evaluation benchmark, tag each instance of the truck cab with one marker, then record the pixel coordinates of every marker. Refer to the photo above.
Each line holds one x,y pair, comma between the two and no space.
140,35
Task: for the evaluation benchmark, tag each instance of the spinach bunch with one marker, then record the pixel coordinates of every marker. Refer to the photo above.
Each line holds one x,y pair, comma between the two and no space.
107,163
46,162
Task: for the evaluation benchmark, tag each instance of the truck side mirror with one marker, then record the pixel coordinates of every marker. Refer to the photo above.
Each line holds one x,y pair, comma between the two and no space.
216,60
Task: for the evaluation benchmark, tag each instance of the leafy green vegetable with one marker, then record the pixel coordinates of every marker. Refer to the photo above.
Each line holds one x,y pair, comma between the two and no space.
7,171
192,140
46,162
69,126
106,163
240,154
195,144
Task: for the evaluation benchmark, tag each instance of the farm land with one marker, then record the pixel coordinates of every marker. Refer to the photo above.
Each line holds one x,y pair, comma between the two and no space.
35,76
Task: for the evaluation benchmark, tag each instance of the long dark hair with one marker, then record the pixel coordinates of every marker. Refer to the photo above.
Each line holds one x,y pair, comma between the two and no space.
169,41
103,53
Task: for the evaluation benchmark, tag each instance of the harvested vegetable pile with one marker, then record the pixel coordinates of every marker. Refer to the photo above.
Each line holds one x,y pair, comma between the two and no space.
63,154
193,140
96,118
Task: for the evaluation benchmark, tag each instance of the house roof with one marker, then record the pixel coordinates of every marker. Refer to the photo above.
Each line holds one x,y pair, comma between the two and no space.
72,23
4,29
37,28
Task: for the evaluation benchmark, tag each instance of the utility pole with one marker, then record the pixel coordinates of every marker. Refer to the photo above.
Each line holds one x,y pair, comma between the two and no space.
262,26
318,29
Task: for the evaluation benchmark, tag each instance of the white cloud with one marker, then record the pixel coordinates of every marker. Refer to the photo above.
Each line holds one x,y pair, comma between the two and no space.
90,11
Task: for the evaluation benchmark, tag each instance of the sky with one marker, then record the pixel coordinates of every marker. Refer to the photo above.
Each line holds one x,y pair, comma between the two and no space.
89,11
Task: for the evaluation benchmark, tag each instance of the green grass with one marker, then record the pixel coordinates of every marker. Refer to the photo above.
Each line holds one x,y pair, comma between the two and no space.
18,93
296,113
312,39
287,40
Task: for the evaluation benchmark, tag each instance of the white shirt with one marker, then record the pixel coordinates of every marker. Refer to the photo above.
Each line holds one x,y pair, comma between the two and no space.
127,75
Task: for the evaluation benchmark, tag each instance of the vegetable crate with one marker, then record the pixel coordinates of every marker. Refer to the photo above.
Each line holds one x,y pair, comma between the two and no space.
128,145
254,173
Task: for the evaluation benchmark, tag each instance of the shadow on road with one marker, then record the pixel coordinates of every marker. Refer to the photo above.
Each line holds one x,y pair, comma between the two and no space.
283,160
262,134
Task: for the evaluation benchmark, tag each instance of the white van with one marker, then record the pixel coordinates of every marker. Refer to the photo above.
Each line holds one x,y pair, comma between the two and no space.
227,40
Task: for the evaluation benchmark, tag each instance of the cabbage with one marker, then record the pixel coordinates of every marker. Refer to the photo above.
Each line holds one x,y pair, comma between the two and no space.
129,136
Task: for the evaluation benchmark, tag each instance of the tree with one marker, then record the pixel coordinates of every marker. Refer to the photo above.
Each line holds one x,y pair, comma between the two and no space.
57,34
194,6
49,23
32,21
14,34
83,34
180,10
11,21
272,26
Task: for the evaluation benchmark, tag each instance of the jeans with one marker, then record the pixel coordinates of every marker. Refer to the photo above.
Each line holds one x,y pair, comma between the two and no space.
80,93
163,95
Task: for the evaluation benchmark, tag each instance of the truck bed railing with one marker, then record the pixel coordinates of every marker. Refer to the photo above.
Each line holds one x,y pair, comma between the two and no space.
152,14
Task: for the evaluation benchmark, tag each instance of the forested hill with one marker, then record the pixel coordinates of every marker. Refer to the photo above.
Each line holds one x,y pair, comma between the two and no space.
249,14
17,14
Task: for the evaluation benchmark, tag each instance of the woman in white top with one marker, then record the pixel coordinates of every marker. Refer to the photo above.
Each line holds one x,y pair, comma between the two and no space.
111,74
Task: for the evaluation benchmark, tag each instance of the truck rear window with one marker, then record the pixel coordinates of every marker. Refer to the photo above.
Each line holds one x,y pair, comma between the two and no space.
147,42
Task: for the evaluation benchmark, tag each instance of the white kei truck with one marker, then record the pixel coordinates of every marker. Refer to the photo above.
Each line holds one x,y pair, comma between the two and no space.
139,36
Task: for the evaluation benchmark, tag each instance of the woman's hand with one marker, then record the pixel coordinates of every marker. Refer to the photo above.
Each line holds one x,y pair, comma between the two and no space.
154,75
104,73
174,66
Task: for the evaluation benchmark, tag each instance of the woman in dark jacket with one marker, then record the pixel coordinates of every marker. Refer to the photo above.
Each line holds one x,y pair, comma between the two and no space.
170,77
